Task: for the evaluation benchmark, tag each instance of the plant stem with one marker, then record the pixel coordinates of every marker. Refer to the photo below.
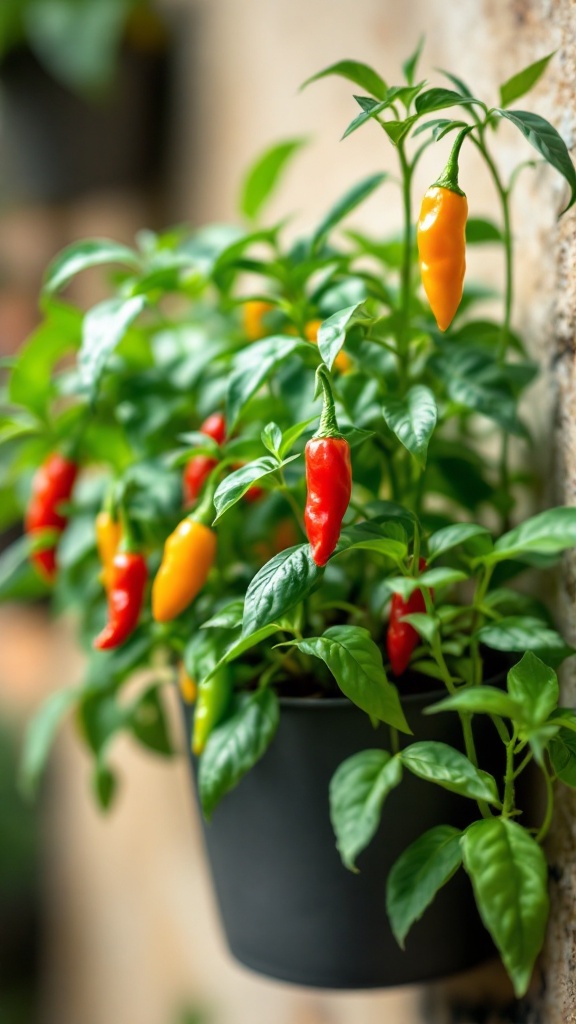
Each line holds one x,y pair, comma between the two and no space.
508,804
406,276
545,827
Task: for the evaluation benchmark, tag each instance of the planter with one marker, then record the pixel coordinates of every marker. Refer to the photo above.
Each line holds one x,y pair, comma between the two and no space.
289,908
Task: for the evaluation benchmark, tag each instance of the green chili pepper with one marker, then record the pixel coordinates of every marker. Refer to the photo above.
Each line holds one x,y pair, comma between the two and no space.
213,698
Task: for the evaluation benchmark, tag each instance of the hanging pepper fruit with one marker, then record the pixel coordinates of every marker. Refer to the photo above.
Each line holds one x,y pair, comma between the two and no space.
441,239
189,553
342,361
127,584
401,637
186,685
199,467
253,313
212,701
52,485
328,478
108,537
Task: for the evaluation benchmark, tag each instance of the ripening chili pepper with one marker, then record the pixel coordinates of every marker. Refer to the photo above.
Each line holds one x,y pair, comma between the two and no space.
253,313
213,698
52,485
342,361
108,537
127,583
401,637
328,478
189,553
199,467
441,239
186,685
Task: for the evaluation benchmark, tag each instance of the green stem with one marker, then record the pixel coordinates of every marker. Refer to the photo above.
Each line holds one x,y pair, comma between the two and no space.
406,276
545,827
449,177
328,426
508,804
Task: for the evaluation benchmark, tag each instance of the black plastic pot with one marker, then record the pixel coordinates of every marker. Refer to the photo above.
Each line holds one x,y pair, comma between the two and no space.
289,908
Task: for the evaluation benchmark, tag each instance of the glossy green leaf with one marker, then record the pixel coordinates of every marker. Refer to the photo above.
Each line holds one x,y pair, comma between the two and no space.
348,202
236,484
442,764
450,537
534,686
104,327
104,785
332,332
279,585
562,748
243,644
387,538
357,72
425,625
525,633
510,879
91,252
265,174
356,664
474,379
40,736
252,367
413,419
358,790
548,533
31,380
486,700
437,98
409,66
271,438
420,871
546,140
236,745
521,83
440,577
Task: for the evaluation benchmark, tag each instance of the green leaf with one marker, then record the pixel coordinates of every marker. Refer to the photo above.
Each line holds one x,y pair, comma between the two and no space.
450,537
358,790
440,577
425,625
229,616
370,111
486,700
420,871
522,82
265,174
40,736
290,436
104,785
271,438
546,140
525,633
548,533
534,686
236,484
31,380
413,419
251,369
348,202
474,379
91,252
148,722
510,879
245,643
332,332
480,231
562,749
356,664
436,99
437,762
235,746
279,585
355,71
388,538
409,66
104,327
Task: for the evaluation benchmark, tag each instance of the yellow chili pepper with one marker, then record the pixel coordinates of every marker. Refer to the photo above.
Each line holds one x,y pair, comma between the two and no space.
108,534
188,688
342,361
253,313
189,554
441,240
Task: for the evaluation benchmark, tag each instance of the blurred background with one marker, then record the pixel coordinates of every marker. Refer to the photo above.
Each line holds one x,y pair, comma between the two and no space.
117,115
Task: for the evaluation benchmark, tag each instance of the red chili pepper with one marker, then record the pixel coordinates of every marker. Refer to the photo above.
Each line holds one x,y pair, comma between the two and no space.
52,485
328,479
199,467
401,637
128,576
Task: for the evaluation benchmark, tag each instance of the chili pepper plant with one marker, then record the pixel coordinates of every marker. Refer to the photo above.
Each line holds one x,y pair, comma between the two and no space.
314,451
